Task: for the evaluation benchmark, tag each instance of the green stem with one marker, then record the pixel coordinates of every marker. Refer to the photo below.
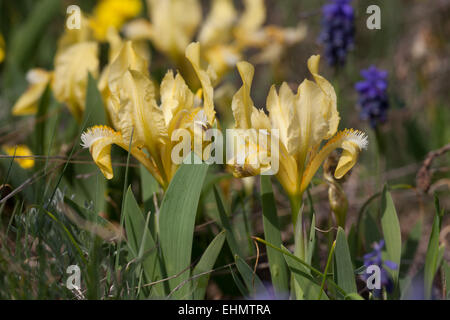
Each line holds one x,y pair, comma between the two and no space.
296,204
324,278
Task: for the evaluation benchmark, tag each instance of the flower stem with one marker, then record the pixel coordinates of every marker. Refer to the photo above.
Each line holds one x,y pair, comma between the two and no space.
296,204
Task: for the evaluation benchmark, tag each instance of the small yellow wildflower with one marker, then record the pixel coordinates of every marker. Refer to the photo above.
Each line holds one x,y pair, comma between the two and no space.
113,13
19,151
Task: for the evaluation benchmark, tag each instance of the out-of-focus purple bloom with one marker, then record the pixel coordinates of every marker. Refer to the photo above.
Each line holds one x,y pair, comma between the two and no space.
338,30
373,98
375,258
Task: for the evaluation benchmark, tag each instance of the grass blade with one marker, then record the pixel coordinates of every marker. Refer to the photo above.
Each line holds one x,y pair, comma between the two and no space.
231,240
432,256
139,238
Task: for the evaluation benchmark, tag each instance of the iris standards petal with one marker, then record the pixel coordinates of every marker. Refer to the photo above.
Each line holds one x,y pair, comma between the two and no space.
175,95
193,55
139,115
283,116
242,103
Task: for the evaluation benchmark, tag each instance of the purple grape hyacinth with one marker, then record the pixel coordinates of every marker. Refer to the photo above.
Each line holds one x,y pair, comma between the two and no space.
375,258
338,30
373,98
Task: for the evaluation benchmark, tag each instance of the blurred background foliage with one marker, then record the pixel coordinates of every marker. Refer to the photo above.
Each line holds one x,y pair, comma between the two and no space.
413,46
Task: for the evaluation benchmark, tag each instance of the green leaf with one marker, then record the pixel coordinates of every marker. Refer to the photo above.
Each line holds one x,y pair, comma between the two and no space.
391,231
205,264
371,231
307,287
139,238
344,266
353,296
277,264
26,37
432,256
43,107
231,240
176,223
299,261
92,187
310,247
94,113
241,287
446,280
251,280
327,266
149,187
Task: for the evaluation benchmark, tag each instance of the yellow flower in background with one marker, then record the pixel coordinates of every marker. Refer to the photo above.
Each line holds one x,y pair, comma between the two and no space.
112,13
74,36
76,57
216,37
72,66
27,104
137,117
19,151
304,121
252,19
173,25
2,49
224,35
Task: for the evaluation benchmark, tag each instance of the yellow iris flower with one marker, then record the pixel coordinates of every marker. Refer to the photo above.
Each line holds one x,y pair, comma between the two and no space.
142,124
112,13
304,120
77,55
72,66
23,155
173,25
